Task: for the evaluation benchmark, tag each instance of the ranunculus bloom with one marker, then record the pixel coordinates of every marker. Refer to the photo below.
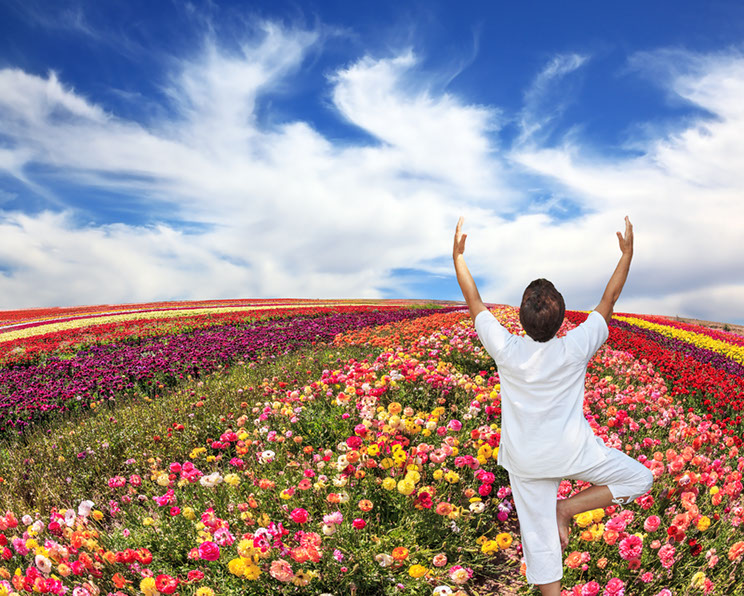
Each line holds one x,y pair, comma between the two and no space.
281,570
652,523
631,547
299,515
166,584
359,523
209,551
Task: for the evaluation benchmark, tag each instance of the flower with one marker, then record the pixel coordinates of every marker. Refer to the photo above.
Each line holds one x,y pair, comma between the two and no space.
504,540
736,551
652,523
439,560
166,584
591,588
573,560
384,560
299,515
147,587
614,587
365,505
400,553
281,570
359,523
417,571
459,574
209,551
631,547
205,591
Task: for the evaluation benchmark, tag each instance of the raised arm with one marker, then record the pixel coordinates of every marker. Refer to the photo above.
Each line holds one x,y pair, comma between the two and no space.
464,278
617,281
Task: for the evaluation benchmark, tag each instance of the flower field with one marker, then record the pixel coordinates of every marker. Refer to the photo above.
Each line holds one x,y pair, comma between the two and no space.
290,447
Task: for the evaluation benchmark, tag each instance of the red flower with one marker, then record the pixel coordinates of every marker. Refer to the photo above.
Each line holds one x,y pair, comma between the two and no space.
166,584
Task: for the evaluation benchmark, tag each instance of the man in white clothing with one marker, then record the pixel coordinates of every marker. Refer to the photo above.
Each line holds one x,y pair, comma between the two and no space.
544,434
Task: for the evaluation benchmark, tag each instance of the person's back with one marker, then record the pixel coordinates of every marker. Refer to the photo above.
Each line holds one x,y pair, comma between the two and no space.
544,434
544,431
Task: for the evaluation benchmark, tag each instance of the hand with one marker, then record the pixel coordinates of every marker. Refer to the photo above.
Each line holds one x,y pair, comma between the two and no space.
626,242
459,247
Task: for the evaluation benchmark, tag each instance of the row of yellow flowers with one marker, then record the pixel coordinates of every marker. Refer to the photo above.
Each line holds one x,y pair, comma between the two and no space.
733,351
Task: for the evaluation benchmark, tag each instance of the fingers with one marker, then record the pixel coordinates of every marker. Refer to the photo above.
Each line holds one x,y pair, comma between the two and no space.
459,224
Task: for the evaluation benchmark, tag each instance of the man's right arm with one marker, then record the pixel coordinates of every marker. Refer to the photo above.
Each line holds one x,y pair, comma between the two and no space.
617,281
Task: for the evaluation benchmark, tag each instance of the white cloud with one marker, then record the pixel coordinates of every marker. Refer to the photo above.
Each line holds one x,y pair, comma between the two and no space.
285,211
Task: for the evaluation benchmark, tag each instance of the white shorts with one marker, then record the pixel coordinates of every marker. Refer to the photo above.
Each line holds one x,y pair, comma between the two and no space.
535,500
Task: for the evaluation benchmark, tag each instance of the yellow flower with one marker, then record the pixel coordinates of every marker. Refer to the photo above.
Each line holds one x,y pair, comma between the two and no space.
147,586
237,567
205,591
163,479
703,523
232,479
714,490
387,463
388,483
698,580
373,450
504,540
452,477
489,546
585,519
597,515
97,515
252,572
438,474
188,513
148,521
301,578
406,487
417,571
413,476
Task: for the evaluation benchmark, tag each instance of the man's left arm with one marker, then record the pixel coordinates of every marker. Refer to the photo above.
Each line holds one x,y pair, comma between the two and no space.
464,278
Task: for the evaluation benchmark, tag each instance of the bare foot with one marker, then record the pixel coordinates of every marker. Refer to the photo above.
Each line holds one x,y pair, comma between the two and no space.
563,520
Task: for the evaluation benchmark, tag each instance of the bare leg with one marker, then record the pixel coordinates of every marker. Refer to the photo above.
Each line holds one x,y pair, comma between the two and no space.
586,500
551,589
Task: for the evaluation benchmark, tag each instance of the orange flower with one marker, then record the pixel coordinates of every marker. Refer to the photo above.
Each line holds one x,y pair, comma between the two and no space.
736,551
444,508
120,581
400,553
365,505
333,498
573,560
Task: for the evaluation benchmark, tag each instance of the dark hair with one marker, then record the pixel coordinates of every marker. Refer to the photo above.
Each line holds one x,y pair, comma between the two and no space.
542,310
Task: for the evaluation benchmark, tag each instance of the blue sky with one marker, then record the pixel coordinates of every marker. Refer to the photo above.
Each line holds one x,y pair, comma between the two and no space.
172,150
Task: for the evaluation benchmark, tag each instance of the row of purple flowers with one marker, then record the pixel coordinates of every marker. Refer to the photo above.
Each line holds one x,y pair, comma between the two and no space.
33,392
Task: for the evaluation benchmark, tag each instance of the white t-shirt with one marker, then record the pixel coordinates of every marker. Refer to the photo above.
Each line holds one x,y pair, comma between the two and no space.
544,433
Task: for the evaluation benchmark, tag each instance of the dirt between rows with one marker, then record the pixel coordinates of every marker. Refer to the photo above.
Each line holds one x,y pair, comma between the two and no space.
738,329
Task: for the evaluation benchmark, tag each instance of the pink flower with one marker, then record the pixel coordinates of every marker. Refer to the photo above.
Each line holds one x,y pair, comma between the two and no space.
631,547
359,523
652,523
590,589
647,577
209,551
299,515
454,425
439,560
666,554
281,570
614,587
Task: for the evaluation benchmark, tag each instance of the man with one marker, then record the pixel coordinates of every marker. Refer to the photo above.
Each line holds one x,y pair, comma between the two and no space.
544,435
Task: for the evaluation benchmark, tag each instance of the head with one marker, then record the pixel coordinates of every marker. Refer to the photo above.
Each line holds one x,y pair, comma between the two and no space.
542,310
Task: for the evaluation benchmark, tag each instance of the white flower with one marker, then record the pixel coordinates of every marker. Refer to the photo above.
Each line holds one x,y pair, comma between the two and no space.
267,456
43,564
384,560
70,517
85,507
340,481
210,481
38,526
27,520
477,507
442,591
343,498
328,529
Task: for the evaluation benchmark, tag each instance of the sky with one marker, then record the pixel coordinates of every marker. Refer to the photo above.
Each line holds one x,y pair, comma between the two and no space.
325,149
